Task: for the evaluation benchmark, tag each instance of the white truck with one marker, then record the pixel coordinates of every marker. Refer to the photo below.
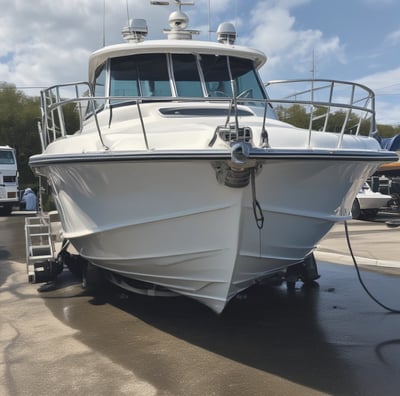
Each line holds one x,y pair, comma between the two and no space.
8,180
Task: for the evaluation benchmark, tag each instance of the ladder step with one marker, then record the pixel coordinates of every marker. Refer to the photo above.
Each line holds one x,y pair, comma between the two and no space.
39,251
40,258
44,247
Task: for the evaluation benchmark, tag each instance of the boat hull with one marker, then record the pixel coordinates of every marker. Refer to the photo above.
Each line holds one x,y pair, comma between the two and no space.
173,224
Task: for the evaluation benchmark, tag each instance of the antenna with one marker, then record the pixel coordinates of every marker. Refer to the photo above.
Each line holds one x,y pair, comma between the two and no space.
313,69
127,12
179,3
209,20
178,20
104,23
236,15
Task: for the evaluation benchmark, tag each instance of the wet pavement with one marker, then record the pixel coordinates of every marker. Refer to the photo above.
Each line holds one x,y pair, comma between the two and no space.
331,339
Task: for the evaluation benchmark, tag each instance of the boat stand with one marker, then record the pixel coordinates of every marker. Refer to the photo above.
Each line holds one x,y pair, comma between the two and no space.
305,271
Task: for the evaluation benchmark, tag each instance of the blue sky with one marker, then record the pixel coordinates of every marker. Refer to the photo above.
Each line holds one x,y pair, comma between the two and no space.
45,42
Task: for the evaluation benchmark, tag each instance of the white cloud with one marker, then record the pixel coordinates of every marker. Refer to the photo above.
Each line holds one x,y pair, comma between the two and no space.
387,112
386,86
289,49
49,40
393,38
216,6
46,42
383,80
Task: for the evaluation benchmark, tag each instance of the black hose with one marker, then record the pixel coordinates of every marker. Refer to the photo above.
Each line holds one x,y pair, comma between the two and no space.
359,275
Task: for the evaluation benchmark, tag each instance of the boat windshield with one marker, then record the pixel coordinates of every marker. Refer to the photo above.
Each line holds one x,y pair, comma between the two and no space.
184,75
140,75
219,71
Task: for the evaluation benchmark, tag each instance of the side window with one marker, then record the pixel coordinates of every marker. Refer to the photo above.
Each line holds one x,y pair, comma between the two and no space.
247,83
99,91
100,83
187,78
140,75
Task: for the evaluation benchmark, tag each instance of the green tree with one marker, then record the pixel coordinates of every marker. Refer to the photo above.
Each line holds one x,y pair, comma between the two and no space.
19,117
295,115
19,122
299,116
387,131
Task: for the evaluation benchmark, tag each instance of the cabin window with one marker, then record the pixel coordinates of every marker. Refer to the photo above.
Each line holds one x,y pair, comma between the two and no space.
186,74
248,85
99,90
100,83
218,79
216,75
140,75
191,76
124,77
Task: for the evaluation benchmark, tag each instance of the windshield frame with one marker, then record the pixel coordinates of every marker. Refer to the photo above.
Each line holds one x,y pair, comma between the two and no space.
232,66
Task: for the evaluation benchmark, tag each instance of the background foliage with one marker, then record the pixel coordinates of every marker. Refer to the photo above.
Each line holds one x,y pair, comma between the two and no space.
19,117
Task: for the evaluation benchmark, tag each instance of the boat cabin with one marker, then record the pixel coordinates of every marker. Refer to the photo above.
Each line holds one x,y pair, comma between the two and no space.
178,75
178,67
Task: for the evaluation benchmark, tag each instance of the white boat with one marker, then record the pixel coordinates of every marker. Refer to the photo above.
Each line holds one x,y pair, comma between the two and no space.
367,202
181,175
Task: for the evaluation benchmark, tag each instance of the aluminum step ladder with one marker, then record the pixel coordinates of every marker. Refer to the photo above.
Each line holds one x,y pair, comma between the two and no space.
40,248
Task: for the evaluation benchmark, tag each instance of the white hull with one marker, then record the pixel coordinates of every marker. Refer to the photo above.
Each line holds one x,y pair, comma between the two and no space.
369,199
183,230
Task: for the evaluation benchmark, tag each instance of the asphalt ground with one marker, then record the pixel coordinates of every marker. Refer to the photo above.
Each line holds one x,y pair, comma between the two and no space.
330,339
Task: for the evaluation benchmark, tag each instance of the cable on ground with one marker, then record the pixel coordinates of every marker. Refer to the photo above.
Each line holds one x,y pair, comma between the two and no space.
359,275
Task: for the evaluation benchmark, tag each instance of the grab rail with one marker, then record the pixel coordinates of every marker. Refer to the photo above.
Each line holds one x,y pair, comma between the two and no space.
53,122
53,105
324,107
345,102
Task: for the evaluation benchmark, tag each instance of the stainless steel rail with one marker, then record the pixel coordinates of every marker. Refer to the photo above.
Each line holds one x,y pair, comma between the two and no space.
325,98
321,99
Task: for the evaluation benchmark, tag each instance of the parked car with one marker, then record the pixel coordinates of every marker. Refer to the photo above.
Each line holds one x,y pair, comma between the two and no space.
368,202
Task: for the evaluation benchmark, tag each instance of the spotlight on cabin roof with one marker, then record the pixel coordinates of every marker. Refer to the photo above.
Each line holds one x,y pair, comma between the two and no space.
226,33
136,31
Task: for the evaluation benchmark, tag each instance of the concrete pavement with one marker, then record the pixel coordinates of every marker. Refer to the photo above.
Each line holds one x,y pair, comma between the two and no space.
373,243
327,340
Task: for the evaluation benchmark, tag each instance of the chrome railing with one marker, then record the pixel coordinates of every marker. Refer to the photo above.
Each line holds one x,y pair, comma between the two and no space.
57,99
323,105
53,104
